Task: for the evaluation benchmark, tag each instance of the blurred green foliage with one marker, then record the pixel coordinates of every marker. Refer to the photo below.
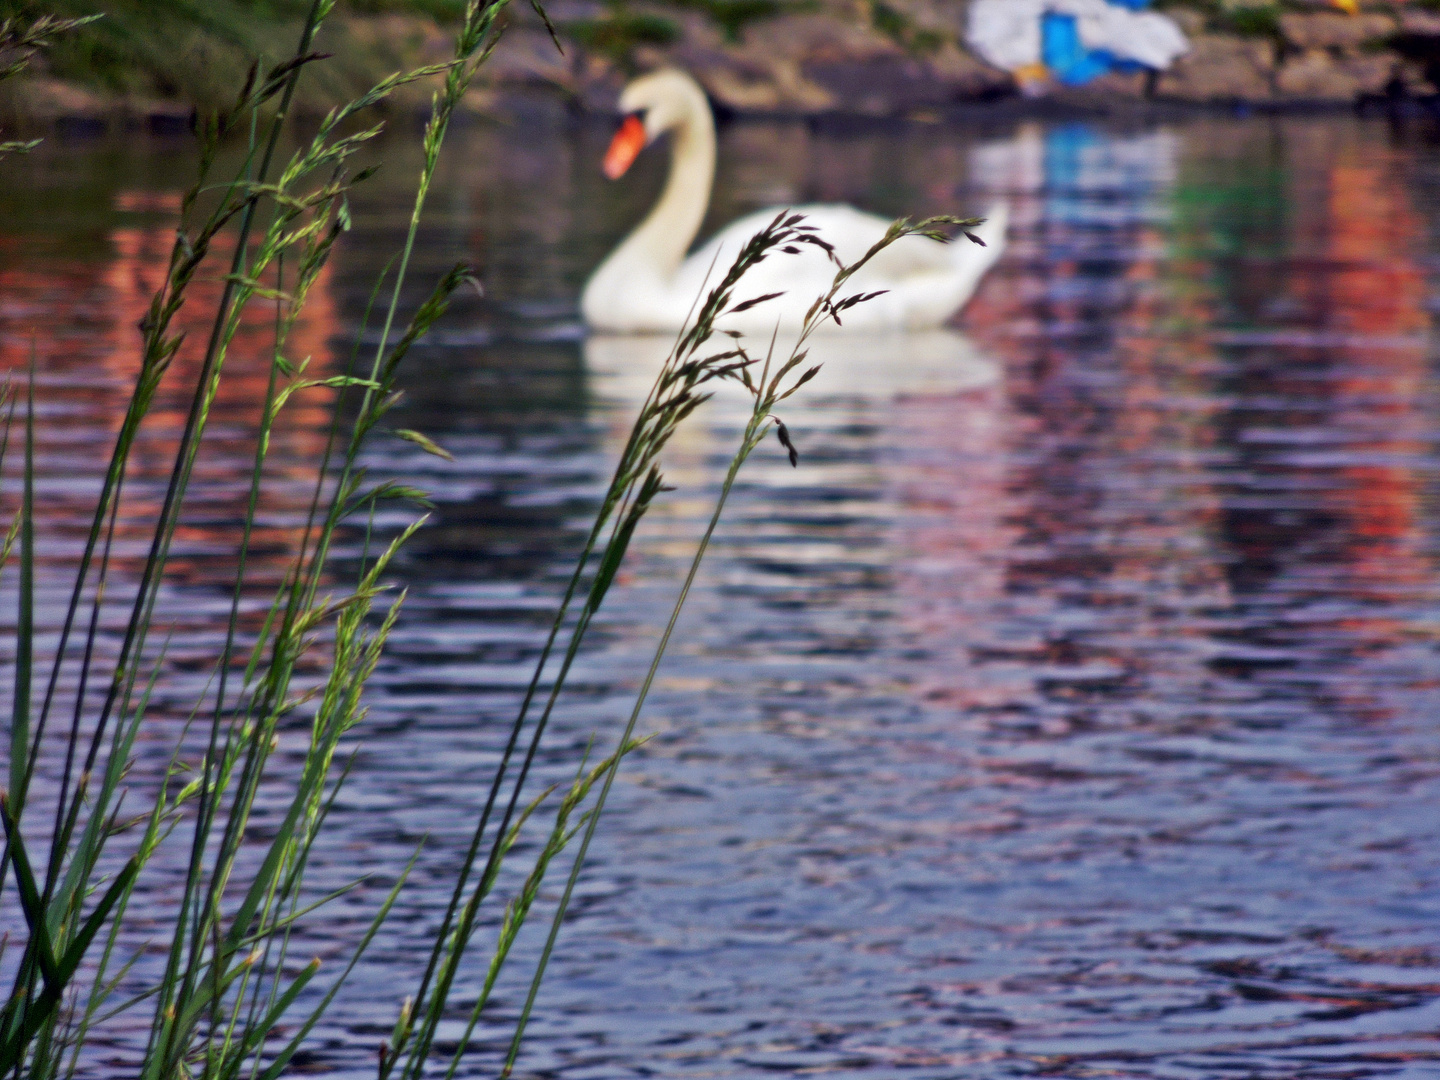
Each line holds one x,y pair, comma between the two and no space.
1260,21
1249,18
620,29
197,50
194,50
901,29
733,16
619,32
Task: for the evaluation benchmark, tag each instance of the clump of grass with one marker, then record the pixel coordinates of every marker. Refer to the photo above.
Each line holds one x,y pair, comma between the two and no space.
679,388
20,41
197,52
228,978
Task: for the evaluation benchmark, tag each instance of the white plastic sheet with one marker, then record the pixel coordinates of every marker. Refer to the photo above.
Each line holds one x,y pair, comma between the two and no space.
1006,33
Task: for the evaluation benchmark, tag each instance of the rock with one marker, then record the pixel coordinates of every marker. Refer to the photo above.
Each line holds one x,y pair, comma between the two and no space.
1103,90
1415,79
966,75
1332,30
883,79
829,59
1418,46
813,63
38,100
1312,75
774,85
878,86
46,99
161,116
1420,23
1191,23
1316,75
1371,71
945,14
1220,67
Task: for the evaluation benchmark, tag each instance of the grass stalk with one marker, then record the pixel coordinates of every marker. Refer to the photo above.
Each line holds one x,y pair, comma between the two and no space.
25,615
773,386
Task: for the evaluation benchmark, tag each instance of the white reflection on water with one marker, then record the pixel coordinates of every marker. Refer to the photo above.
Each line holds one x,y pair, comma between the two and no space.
873,366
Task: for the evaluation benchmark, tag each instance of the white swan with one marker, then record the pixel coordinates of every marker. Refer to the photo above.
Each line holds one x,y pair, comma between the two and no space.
648,285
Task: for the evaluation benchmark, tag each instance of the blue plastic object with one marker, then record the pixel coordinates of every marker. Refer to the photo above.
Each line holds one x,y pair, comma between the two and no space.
1066,55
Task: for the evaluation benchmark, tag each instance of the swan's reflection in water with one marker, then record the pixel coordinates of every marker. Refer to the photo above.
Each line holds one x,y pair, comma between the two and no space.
868,366
871,428
890,538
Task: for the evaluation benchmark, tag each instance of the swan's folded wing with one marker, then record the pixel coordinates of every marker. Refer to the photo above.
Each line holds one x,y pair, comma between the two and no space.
801,277
853,232
908,257
924,280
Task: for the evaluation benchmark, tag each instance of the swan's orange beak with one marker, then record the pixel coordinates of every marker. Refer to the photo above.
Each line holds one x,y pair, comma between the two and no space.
625,147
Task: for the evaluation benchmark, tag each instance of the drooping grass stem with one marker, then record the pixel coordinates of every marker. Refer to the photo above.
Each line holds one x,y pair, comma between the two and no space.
775,384
228,977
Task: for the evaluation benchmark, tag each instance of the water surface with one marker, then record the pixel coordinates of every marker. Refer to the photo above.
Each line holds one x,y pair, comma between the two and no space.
1070,711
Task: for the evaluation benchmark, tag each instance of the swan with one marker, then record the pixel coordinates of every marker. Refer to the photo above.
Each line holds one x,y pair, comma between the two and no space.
647,285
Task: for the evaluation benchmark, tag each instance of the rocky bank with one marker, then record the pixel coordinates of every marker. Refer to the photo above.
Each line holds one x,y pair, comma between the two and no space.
838,58
821,63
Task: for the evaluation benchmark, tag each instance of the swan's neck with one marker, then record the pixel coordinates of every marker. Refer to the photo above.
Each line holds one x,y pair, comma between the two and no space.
657,247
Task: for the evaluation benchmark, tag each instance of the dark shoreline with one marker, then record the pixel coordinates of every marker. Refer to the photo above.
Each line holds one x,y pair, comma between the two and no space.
171,119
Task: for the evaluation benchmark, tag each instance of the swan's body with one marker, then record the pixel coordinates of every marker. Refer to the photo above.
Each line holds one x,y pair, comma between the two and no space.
648,285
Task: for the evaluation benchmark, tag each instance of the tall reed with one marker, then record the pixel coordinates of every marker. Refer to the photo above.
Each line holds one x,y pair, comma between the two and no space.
224,985
228,979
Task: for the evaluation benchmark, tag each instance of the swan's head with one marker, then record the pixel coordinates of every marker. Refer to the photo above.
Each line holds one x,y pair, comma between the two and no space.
653,104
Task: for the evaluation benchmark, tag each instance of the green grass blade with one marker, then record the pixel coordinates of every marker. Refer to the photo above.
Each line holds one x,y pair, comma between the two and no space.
70,962
25,620
614,765
283,1057
260,1031
30,902
766,394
